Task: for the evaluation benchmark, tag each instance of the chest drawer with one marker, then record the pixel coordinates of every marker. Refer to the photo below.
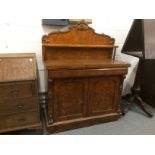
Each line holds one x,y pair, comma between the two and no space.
16,90
21,120
18,105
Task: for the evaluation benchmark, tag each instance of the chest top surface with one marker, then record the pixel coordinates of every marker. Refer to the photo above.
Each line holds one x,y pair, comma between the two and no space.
17,67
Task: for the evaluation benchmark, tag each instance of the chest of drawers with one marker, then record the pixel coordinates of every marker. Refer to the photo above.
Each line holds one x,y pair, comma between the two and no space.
19,103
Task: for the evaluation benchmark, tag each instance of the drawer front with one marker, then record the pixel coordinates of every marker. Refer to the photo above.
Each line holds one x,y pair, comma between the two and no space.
17,90
18,105
58,74
20,120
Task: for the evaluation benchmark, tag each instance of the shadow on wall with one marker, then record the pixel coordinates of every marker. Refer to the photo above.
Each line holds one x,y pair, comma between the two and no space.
48,29
51,25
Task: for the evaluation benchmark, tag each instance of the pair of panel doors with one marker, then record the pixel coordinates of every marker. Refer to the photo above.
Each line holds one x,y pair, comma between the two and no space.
73,98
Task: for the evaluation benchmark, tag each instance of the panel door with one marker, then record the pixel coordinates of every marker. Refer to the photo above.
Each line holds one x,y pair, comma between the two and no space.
103,95
69,99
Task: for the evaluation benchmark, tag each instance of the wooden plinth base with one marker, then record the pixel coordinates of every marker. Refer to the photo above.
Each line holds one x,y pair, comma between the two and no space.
38,130
82,122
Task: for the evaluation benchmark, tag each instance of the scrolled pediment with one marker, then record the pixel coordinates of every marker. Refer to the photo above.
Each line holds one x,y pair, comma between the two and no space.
77,35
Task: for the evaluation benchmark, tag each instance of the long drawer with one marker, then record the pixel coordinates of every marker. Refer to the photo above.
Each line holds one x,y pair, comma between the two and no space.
18,105
54,74
22,120
17,90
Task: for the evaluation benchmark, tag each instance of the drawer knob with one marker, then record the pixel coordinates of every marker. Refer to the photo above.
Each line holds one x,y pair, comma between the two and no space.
50,80
50,119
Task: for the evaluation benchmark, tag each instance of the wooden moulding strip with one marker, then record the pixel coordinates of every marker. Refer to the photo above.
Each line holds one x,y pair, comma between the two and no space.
80,46
87,73
36,125
82,122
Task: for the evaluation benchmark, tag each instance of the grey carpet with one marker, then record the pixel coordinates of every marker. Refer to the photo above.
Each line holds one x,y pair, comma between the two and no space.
135,122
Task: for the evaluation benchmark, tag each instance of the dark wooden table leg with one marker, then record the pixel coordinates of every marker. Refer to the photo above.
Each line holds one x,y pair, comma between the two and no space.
130,101
135,98
140,103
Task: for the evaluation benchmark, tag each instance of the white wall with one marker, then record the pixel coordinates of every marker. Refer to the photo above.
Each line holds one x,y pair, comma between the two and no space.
118,29
19,36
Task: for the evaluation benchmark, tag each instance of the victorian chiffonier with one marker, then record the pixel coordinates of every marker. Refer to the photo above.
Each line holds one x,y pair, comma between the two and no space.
84,79
19,104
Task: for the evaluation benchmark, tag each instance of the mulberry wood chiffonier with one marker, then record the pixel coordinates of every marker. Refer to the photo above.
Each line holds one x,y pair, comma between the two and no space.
84,79
19,104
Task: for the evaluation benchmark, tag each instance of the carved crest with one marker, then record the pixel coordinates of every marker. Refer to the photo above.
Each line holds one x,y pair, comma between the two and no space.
78,34
82,26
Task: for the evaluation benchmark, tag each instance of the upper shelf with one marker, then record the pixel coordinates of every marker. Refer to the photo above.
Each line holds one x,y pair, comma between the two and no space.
80,46
79,42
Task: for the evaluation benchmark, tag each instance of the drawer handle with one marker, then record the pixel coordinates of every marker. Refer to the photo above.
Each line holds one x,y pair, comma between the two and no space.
20,106
22,119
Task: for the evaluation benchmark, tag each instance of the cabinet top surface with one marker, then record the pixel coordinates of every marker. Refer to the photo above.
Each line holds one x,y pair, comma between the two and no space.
17,67
85,64
17,55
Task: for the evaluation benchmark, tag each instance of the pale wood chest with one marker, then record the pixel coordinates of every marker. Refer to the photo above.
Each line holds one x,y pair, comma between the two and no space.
19,103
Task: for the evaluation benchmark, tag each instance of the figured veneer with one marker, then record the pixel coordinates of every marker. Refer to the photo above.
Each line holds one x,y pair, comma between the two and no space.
84,79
